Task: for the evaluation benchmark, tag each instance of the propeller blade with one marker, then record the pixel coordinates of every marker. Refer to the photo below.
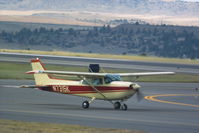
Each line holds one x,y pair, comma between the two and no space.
140,95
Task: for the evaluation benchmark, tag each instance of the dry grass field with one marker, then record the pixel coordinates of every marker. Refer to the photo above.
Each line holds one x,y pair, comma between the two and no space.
12,126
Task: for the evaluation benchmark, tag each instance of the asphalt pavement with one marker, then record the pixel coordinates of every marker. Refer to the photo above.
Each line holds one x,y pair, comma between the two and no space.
175,113
167,107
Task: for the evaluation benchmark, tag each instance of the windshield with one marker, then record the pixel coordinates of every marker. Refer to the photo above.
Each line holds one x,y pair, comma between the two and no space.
111,77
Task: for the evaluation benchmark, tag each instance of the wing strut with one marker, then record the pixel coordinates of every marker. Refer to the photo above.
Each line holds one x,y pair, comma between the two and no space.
94,88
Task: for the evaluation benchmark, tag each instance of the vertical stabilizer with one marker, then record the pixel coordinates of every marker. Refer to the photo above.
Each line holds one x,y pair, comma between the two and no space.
40,79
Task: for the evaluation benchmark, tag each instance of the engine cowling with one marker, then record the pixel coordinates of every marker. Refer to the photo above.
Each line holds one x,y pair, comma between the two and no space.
135,86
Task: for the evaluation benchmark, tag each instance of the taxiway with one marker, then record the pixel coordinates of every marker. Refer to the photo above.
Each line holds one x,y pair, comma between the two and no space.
147,115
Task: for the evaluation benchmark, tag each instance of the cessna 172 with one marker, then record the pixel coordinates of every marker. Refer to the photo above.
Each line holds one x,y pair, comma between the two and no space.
102,86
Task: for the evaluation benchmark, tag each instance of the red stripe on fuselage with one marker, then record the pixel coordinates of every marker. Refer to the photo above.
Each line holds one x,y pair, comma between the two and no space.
83,89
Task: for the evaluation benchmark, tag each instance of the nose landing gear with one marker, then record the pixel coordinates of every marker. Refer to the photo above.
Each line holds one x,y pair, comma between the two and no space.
124,107
118,105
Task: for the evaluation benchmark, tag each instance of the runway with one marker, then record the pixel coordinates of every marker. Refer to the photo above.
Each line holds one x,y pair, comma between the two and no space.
105,63
161,116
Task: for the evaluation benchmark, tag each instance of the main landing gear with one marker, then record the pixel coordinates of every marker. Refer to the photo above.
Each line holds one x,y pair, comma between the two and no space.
85,104
118,105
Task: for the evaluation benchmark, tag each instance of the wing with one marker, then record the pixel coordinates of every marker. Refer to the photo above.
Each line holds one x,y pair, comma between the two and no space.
89,74
85,74
145,74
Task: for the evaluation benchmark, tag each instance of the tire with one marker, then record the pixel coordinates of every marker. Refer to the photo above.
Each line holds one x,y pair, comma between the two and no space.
124,107
85,105
117,105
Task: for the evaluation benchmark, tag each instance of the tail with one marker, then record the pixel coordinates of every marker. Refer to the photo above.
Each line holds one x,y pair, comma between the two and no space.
40,79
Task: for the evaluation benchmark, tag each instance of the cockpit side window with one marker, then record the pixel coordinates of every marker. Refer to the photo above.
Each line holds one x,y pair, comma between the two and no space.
111,77
93,81
97,81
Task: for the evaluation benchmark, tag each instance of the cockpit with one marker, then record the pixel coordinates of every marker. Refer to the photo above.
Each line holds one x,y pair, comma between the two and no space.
102,80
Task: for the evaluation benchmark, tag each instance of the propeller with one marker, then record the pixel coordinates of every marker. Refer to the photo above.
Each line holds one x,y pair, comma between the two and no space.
140,95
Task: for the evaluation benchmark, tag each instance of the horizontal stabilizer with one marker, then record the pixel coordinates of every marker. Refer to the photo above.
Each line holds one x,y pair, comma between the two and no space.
32,86
22,86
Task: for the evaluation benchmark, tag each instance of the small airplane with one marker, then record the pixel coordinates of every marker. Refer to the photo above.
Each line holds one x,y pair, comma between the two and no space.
92,85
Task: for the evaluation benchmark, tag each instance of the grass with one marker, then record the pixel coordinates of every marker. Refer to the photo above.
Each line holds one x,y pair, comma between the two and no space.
127,57
12,126
10,70
14,70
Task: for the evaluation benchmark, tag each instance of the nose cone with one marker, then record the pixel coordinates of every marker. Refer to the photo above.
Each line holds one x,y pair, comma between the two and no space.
135,86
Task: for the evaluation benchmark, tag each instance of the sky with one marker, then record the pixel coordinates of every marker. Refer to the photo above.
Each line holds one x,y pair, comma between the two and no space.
191,0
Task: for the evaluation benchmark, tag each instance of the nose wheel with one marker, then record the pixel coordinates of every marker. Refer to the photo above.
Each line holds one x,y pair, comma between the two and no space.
118,105
124,107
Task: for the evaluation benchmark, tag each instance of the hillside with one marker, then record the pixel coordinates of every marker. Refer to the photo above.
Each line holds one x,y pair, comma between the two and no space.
136,39
100,12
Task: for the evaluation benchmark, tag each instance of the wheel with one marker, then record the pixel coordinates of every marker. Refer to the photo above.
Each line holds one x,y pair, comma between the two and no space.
124,107
85,104
117,105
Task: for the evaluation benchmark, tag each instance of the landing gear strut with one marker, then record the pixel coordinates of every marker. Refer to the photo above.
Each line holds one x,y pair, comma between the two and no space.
118,105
